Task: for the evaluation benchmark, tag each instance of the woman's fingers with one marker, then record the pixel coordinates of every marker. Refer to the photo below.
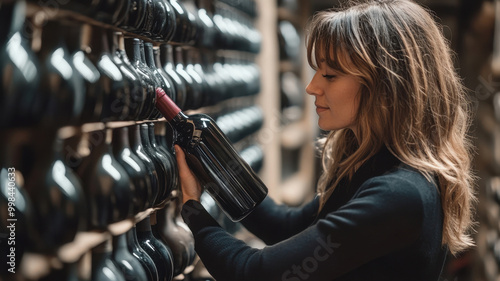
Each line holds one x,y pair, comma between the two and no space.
181,162
191,189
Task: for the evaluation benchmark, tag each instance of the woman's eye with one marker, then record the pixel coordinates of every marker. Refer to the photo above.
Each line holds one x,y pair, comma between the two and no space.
328,77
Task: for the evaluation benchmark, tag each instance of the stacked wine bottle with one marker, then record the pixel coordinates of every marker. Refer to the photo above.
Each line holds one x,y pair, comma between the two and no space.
88,174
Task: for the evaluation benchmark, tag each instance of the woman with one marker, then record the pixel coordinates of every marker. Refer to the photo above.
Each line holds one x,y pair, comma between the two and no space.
396,193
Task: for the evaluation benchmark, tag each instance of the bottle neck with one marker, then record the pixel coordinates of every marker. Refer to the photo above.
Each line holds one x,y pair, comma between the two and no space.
144,225
99,41
151,131
135,137
148,50
179,60
13,13
156,53
136,50
57,148
101,252
168,108
165,54
188,56
143,55
105,41
119,242
132,237
103,248
52,37
145,135
100,141
153,220
120,138
203,4
72,36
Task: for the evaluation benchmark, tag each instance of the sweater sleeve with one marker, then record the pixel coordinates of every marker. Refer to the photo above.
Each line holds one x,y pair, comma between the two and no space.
273,223
384,216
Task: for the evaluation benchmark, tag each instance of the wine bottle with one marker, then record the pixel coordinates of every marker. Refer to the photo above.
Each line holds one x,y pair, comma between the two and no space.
129,266
19,80
217,82
136,14
221,171
62,89
77,39
160,20
116,91
170,23
181,22
138,149
254,156
177,237
56,195
169,159
158,251
111,11
164,139
165,82
157,63
103,266
160,161
134,167
289,41
107,186
147,23
211,81
196,26
240,82
138,252
207,36
223,38
146,77
167,62
229,82
160,143
199,79
137,93
193,89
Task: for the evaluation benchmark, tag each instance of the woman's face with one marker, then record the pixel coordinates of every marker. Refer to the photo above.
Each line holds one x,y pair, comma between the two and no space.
337,97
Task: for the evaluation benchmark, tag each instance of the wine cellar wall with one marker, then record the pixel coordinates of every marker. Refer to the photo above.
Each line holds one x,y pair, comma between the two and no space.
89,186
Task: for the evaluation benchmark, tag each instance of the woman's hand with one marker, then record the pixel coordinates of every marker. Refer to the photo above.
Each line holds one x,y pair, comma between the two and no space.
191,188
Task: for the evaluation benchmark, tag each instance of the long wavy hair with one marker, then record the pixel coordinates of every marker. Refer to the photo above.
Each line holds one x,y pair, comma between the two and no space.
412,101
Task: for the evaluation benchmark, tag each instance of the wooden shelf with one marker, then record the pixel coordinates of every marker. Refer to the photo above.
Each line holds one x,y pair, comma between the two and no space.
286,14
288,65
293,137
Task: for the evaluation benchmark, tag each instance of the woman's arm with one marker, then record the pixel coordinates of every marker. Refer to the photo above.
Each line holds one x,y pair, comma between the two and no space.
269,221
273,223
385,216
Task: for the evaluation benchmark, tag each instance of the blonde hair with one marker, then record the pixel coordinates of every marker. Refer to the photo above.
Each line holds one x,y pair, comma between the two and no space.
412,101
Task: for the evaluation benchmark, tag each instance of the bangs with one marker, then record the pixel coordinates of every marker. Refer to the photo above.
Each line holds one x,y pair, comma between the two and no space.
326,42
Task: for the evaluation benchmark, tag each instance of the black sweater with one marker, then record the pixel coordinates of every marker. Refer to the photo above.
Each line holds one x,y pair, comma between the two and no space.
384,224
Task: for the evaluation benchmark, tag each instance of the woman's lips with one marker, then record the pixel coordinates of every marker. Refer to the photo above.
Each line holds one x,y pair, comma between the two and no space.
320,109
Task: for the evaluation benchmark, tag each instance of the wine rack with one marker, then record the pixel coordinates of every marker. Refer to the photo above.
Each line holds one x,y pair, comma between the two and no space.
73,96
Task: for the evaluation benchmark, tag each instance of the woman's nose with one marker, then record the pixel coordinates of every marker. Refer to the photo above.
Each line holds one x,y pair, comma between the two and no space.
312,88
